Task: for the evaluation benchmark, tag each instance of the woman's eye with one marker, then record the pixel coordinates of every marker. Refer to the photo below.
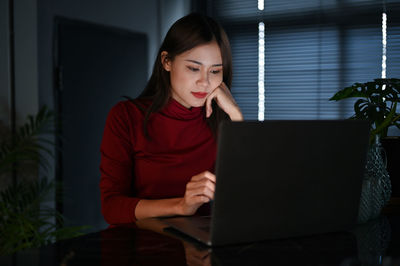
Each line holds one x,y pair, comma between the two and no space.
215,71
193,69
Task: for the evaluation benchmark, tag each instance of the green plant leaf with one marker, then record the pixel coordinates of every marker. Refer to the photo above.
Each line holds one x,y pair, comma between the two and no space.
349,92
28,142
24,221
372,104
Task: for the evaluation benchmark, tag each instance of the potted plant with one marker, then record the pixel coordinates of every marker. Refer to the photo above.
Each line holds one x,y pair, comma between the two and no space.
377,102
25,222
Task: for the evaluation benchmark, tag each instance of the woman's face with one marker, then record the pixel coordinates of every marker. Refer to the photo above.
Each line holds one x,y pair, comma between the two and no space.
194,74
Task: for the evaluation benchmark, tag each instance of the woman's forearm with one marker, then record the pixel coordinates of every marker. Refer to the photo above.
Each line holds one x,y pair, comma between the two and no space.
199,190
158,208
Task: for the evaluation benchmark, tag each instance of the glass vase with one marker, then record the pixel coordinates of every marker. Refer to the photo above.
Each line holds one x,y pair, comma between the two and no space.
376,188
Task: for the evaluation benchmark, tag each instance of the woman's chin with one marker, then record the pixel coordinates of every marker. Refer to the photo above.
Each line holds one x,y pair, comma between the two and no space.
200,103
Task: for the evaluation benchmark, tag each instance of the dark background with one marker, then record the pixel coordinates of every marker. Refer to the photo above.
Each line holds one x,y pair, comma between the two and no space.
80,57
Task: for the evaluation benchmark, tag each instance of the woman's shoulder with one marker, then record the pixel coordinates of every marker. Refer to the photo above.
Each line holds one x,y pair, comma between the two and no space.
127,115
129,107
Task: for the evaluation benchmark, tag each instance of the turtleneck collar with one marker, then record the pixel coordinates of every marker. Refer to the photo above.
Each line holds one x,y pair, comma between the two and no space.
176,110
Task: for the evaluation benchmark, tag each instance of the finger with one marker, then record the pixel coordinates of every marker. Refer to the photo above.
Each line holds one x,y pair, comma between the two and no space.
202,184
205,182
198,199
210,176
204,198
222,97
224,87
200,191
227,103
208,104
206,174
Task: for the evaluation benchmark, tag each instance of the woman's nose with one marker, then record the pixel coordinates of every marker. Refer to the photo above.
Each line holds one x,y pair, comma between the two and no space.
203,79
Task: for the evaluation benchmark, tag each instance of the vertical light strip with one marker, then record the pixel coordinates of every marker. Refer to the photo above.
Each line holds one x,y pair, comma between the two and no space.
261,70
260,4
384,42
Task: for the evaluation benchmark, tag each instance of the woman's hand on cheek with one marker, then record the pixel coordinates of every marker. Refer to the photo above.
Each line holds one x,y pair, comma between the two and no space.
225,101
199,190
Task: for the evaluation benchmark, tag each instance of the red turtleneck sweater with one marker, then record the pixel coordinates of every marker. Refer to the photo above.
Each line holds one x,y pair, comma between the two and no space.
134,167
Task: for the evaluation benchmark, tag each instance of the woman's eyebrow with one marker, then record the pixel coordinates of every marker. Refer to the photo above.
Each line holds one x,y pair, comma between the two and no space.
199,63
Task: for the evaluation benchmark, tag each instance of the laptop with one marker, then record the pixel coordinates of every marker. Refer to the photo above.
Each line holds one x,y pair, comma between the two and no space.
282,179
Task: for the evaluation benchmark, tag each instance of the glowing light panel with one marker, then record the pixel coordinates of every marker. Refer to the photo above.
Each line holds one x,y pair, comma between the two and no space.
261,70
260,4
384,42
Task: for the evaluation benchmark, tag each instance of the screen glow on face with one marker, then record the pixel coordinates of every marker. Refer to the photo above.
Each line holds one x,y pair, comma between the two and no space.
194,74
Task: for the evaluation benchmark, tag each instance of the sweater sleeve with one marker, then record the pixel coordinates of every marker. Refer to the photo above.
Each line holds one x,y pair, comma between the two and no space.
116,167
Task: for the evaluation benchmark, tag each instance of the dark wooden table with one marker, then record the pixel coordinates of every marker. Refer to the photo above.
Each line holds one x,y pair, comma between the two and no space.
150,243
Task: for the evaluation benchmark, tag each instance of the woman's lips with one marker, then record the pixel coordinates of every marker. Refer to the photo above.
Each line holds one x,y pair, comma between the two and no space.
200,95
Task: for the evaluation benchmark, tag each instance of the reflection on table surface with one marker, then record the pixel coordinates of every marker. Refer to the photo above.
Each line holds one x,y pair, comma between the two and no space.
149,242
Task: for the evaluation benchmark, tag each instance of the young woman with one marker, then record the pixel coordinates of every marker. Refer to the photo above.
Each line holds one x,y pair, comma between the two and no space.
158,151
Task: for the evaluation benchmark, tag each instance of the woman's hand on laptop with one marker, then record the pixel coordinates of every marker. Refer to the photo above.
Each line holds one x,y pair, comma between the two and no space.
223,97
199,190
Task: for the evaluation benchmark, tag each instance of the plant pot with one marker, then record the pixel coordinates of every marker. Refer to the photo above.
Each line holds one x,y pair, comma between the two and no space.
376,187
392,148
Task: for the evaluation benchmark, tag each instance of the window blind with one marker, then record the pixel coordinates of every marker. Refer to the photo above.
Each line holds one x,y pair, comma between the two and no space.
393,58
393,49
313,48
301,71
244,45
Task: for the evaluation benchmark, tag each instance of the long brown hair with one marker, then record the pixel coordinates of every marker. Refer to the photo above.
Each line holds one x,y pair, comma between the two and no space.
185,34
